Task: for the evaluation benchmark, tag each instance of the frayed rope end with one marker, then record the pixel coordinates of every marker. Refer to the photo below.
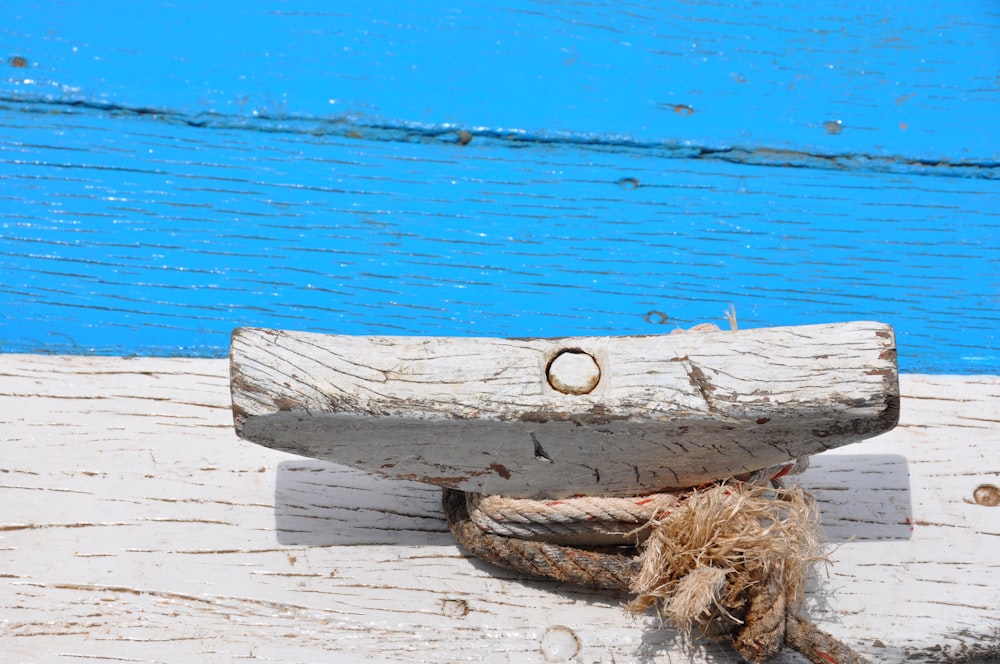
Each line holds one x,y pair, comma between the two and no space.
728,562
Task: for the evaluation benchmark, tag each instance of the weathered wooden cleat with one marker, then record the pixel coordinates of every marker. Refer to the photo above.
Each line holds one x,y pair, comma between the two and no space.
567,416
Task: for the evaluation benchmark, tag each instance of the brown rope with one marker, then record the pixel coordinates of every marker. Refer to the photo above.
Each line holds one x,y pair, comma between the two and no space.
816,645
755,618
593,520
582,567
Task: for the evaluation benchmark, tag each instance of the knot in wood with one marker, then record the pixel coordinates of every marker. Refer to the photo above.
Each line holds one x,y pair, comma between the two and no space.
573,372
987,495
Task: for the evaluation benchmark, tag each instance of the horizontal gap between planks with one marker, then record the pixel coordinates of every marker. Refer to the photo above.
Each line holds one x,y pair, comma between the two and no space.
357,127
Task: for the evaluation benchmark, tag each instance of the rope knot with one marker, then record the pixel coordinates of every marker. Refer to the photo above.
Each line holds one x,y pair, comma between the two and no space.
728,563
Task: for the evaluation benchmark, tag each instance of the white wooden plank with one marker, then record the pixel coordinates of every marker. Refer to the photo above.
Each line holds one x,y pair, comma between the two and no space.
135,526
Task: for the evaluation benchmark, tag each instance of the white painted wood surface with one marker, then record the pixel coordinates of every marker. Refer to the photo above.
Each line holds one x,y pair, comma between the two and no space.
660,412
135,526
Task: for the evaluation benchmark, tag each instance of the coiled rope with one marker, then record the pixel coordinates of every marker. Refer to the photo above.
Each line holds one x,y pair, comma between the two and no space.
726,561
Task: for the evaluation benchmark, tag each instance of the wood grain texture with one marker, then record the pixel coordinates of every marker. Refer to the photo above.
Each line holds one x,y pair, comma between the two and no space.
480,414
909,80
170,236
136,526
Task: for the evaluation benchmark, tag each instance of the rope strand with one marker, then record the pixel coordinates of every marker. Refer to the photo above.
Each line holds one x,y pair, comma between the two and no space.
591,569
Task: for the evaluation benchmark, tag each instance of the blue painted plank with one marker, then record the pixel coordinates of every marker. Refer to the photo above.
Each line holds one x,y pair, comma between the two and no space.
897,80
129,235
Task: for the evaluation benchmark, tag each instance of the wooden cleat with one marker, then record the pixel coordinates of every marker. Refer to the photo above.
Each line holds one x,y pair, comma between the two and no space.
612,416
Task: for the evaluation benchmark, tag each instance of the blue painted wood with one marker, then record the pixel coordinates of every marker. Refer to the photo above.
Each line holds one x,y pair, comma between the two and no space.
169,173
873,80
131,235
